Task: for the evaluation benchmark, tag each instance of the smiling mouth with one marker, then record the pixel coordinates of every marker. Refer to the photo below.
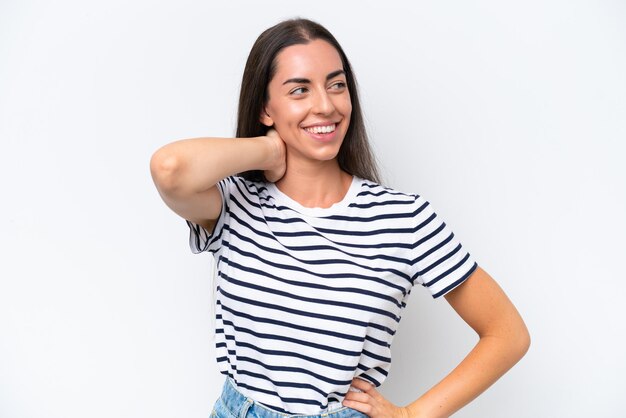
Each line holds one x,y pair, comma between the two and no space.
325,129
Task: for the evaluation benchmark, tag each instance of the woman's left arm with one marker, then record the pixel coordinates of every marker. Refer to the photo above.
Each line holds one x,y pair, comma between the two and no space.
504,339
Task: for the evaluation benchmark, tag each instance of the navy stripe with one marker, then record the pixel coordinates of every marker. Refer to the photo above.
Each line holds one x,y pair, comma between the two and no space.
310,314
291,325
377,342
319,261
253,188
283,399
376,356
381,371
371,379
382,193
303,370
319,247
361,233
435,248
311,300
448,271
320,286
311,272
400,215
287,384
456,283
284,353
440,261
284,384
384,203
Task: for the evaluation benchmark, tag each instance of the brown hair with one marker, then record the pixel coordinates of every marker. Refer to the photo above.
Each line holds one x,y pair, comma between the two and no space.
355,155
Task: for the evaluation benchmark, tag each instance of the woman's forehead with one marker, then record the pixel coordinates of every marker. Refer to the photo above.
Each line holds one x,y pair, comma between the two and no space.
308,59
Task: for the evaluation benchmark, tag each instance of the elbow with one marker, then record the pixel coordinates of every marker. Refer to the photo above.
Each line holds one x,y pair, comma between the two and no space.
165,169
521,342
513,339
525,341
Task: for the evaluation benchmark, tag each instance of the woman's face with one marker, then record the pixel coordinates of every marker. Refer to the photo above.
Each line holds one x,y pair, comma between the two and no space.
309,102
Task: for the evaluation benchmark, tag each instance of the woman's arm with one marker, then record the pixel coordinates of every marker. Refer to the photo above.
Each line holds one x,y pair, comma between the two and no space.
504,339
185,172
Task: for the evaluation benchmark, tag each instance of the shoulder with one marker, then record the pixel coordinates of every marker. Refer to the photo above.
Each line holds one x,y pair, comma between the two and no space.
239,185
384,202
377,191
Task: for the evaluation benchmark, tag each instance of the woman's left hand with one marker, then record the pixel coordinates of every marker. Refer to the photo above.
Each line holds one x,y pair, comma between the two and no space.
371,402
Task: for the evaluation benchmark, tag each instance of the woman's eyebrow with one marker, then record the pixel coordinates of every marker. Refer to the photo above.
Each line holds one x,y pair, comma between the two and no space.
306,80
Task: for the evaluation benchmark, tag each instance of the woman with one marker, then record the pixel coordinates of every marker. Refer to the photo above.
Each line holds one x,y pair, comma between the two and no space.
316,259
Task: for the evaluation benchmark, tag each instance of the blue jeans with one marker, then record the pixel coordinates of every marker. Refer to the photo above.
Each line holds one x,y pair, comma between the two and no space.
234,404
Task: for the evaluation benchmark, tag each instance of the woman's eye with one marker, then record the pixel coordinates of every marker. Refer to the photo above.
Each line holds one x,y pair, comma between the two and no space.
339,85
299,90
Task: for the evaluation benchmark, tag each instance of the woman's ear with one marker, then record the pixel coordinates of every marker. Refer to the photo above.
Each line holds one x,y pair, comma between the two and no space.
266,119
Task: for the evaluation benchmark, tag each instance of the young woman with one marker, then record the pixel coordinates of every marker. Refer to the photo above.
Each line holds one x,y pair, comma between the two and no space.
315,258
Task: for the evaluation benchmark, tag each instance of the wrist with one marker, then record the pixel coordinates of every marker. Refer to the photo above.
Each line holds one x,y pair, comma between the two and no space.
273,153
254,153
419,409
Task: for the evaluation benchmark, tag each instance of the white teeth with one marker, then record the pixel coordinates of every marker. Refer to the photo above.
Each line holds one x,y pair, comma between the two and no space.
321,129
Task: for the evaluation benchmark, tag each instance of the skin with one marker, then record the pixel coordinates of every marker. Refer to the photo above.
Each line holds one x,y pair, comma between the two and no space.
312,177
185,173
503,341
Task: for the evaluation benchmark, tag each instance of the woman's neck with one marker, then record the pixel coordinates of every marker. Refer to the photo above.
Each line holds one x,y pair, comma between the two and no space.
320,184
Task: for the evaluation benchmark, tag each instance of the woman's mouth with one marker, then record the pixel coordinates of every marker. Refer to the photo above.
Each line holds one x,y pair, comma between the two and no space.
323,133
321,129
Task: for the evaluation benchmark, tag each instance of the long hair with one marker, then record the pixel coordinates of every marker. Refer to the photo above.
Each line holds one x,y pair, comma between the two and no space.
355,155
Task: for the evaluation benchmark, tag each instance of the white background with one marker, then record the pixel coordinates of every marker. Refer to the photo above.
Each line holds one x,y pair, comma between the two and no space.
510,117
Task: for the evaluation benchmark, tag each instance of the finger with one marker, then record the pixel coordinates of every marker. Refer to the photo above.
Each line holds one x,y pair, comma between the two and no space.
368,388
359,406
362,384
358,397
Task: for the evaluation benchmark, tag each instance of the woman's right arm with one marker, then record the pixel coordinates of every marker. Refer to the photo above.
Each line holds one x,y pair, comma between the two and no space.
185,172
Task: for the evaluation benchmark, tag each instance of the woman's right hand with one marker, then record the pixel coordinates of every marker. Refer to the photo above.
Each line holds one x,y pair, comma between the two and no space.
278,165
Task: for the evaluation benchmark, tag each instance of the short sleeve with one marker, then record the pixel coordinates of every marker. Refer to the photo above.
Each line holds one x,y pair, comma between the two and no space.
200,239
441,263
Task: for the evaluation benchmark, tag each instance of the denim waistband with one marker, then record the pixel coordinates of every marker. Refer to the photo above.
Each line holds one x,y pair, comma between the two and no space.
240,405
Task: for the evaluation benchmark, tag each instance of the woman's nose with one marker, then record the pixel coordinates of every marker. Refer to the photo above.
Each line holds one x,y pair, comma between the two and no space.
322,103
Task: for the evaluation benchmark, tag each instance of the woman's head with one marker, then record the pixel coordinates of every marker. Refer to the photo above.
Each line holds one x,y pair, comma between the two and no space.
354,155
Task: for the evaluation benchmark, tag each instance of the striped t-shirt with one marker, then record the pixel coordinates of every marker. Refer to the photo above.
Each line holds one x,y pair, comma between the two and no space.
308,298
